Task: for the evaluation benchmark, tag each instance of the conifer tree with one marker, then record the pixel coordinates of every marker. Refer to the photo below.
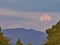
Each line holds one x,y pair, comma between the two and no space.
29,44
19,42
53,35
3,40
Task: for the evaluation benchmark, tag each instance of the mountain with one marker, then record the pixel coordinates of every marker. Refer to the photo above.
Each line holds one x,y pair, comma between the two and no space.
25,35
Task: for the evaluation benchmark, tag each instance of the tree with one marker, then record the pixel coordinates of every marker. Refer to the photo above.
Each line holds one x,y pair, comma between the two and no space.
19,42
53,35
3,40
29,43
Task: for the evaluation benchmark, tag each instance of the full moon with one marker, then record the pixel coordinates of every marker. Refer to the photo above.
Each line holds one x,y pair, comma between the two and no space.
45,17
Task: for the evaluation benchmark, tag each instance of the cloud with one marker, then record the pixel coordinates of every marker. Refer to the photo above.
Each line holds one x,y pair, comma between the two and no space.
26,25
27,13
8,12
32,19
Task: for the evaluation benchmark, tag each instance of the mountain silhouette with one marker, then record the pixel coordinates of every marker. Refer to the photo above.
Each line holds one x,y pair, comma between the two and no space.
25,35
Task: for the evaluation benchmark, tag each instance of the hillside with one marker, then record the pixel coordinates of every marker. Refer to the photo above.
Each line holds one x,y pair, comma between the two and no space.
26,36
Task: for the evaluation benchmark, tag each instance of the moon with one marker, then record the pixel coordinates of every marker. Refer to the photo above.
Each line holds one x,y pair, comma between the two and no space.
45,17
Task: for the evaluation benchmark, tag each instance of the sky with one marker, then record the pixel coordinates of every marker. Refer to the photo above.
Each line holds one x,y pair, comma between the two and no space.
29,14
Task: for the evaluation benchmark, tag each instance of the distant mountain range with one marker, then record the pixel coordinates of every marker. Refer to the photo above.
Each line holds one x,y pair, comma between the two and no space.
25,35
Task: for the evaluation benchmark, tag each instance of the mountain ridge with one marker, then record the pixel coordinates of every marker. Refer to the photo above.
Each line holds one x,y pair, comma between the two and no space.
26,36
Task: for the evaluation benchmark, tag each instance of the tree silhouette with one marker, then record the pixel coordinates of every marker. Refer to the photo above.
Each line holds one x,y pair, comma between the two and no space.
29,44
53,35
19,42
3,40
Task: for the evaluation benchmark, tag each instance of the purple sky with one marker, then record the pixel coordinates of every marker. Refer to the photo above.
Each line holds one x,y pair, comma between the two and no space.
27,13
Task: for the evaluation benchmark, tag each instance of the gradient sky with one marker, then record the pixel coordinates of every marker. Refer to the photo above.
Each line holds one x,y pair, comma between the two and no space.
27,13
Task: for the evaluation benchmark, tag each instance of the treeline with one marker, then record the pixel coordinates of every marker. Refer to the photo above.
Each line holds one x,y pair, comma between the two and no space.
53,35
